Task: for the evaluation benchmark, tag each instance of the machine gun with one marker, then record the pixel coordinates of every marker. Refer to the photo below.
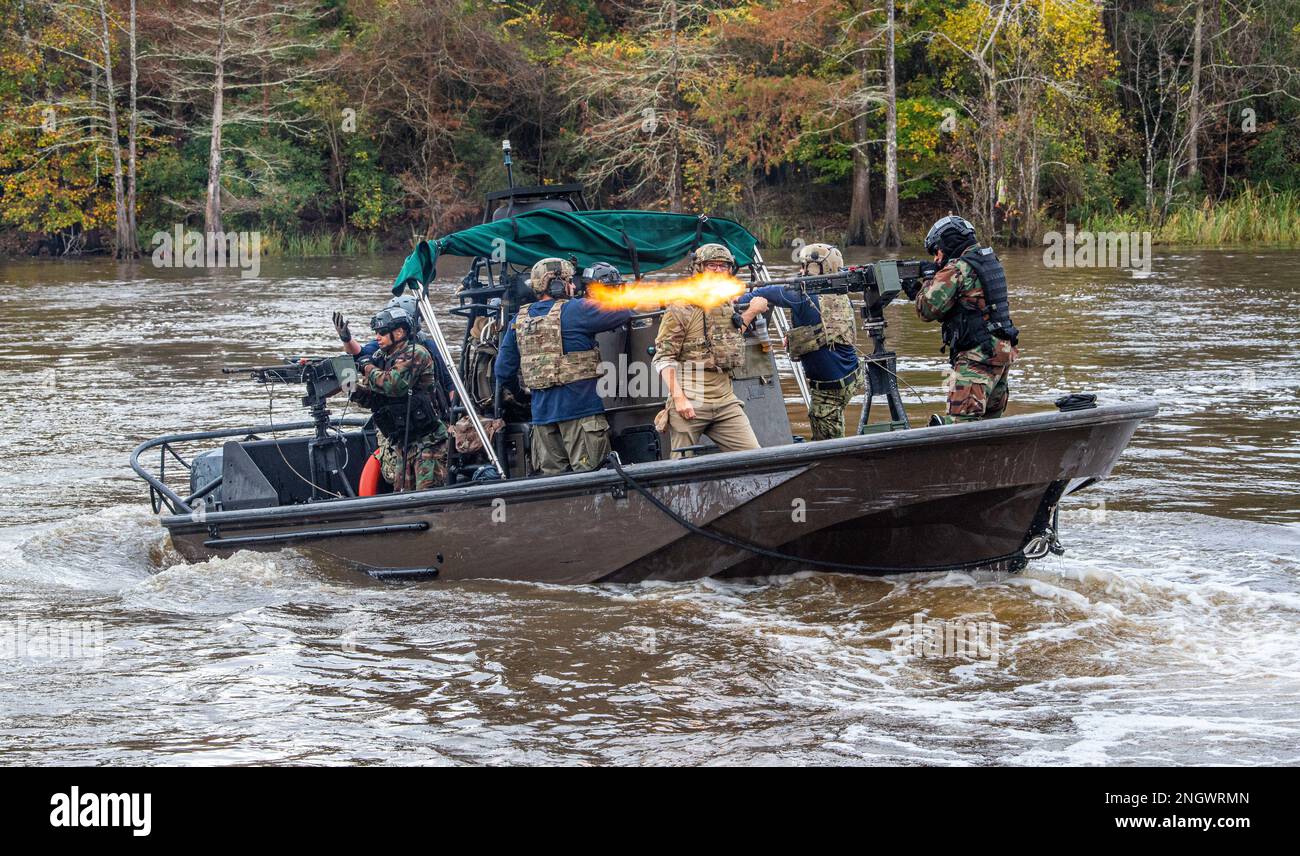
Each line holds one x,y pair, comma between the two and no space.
883,280
879,283
324,377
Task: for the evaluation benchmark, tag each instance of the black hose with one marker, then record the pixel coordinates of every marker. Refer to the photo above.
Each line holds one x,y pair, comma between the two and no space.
740,544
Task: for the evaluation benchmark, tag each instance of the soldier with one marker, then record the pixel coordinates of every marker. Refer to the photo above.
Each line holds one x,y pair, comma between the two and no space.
552,343
411,306
397,385
706,346
969,295
823,338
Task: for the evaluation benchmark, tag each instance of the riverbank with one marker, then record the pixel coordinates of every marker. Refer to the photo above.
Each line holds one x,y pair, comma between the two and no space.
1255,218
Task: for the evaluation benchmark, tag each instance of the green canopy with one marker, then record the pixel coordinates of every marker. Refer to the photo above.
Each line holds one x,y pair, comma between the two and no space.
659,240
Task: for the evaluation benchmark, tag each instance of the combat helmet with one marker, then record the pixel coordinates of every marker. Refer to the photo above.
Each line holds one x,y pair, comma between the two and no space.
411,306
824,257
548,270
604,273
390,318
711,252
952,234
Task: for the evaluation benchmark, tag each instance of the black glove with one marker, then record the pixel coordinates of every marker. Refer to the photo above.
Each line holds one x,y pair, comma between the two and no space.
341,326
365,358
364,397
911,287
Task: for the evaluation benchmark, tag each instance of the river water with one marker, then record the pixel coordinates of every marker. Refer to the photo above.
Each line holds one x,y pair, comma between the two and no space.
1167,634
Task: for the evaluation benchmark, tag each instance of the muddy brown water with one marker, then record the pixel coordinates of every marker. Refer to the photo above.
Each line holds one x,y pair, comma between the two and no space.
1166,634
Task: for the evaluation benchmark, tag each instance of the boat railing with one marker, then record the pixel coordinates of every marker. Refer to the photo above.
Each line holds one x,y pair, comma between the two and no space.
161,495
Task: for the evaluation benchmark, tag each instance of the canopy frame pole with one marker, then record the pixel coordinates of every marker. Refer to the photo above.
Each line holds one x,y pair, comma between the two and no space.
435,332
783,329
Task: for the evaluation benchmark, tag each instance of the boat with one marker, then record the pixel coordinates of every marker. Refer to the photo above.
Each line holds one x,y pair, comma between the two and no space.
889,499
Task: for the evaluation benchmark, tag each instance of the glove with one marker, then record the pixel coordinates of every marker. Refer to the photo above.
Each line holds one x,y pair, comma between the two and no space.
341,326
911,287
364,397
365,358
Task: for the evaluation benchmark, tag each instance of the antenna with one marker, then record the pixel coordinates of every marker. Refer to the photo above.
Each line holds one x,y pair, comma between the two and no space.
505,156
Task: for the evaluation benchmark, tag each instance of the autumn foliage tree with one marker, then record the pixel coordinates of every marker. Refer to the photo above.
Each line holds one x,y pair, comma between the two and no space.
333,118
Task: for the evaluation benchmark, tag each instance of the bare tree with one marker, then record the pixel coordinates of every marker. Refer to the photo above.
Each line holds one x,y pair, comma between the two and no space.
243,60
633,104
133,57
95,121
1156,81
982,54
1172,88
889,236
1194,101
424,66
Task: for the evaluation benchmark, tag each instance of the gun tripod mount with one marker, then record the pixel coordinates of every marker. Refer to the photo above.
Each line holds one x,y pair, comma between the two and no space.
882,365
326,453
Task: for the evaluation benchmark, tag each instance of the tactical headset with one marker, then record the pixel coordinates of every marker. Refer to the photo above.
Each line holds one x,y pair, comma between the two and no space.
558,285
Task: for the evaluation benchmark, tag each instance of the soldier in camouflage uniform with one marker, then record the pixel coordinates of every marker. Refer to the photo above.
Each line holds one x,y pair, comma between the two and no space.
696,351
969,296
397,385
823,337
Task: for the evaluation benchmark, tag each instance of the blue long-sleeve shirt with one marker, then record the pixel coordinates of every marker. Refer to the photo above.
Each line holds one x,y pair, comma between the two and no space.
823,364
580,321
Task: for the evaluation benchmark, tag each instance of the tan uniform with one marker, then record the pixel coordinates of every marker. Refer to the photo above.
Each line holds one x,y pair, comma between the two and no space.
705,347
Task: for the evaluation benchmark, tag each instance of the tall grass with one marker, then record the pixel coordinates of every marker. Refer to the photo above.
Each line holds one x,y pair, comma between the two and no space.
1253,216
300,245
1250,217
773,233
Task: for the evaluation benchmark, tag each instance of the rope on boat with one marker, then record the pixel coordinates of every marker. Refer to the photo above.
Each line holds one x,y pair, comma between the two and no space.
613,460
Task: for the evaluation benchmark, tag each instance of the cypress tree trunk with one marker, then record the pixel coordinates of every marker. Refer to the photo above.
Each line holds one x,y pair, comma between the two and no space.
889,236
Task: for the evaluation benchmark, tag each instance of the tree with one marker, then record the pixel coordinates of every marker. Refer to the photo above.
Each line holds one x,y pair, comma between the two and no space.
1194,101
889,236
438,77
631,96
1038,97
126,243
244,60
75,50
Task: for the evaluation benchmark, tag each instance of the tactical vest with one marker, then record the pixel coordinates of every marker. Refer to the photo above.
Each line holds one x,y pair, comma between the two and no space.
405,417
836,328
967,328
542,360
719,346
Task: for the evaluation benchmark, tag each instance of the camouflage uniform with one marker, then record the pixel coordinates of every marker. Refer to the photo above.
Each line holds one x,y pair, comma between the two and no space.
426,456
827,398
705,347
977,384
826,410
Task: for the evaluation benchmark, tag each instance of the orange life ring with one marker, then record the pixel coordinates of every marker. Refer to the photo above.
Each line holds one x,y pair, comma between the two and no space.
369,485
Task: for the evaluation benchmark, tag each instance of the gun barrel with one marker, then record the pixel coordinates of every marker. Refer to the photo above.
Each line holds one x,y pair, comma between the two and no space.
851,279
248,369
860,278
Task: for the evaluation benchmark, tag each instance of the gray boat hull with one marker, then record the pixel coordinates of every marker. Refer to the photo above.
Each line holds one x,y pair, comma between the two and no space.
923,499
